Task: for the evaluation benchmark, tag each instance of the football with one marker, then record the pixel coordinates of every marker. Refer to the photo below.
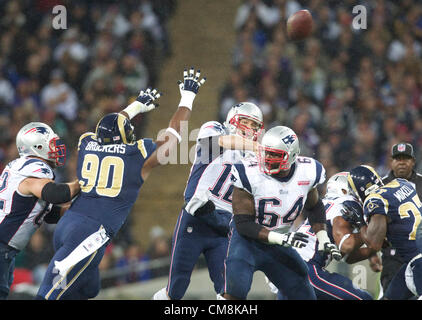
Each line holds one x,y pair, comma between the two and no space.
299,25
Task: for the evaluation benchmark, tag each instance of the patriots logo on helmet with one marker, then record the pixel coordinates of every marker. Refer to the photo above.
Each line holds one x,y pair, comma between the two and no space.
41,130
289,139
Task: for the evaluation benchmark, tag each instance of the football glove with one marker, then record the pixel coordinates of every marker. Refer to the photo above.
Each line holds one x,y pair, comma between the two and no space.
289,239
189,87
143,103
197,201
147,98
325,246
352,212
332,250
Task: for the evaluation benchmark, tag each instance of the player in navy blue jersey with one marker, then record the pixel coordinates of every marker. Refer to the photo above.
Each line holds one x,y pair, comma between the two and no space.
392,212
112,166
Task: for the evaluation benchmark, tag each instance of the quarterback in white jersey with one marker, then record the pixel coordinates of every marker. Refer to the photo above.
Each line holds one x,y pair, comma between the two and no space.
269,194
28,194
203,223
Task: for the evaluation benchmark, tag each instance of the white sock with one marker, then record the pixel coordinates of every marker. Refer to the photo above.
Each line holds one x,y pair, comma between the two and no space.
84,249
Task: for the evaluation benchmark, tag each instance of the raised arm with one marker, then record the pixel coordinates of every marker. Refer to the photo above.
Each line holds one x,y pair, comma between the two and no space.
168,140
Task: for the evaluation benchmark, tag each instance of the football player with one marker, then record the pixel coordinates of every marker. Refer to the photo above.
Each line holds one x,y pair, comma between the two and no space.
344,218
112,166
269,194
203,223
28,194
392,212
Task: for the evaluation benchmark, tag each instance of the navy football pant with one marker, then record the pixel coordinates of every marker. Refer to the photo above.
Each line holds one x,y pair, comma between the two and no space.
283,267
83,280
7,266
191,237
334,286
398,290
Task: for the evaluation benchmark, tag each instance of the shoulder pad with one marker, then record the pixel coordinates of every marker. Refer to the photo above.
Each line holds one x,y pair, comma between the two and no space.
211,129
83,137
36,168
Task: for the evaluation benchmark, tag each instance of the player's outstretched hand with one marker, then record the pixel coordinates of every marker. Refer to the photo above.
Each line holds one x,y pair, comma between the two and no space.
294,239
189,87
332,250
147,99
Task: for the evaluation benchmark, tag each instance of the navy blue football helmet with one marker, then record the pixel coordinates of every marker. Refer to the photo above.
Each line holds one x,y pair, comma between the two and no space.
115,128
363,180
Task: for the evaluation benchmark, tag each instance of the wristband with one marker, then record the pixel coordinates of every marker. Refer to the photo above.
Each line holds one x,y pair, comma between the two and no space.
275,237
175,133
322,237
133,109
187,99
342,240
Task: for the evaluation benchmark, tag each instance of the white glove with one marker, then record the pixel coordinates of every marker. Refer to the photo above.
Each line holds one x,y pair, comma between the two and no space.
289,239
143,103
325,245
189,87
197,201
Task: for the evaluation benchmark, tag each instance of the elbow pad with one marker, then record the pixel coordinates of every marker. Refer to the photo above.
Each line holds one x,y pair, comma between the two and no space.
56,193
317,213
246,226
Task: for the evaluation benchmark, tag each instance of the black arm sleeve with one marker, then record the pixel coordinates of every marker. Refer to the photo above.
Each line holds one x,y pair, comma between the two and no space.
56,193
53,216
316,214
246,226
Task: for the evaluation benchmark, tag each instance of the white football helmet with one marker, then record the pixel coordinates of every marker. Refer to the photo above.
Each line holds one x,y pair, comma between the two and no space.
38,139
278,150
243,110
337,183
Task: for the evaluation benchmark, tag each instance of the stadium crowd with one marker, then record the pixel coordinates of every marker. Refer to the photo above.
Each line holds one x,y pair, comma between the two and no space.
349,94
68,78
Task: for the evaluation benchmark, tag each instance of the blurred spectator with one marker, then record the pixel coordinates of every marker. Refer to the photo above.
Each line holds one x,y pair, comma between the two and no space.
70,78
130,263
58,97
159,247
347,93
38,254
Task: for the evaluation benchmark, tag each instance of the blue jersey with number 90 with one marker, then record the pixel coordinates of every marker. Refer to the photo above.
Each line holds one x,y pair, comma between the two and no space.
110,179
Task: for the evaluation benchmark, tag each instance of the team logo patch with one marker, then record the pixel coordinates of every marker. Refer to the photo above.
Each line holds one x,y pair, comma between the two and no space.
401,147
41,130
289,139
303,183
371,206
